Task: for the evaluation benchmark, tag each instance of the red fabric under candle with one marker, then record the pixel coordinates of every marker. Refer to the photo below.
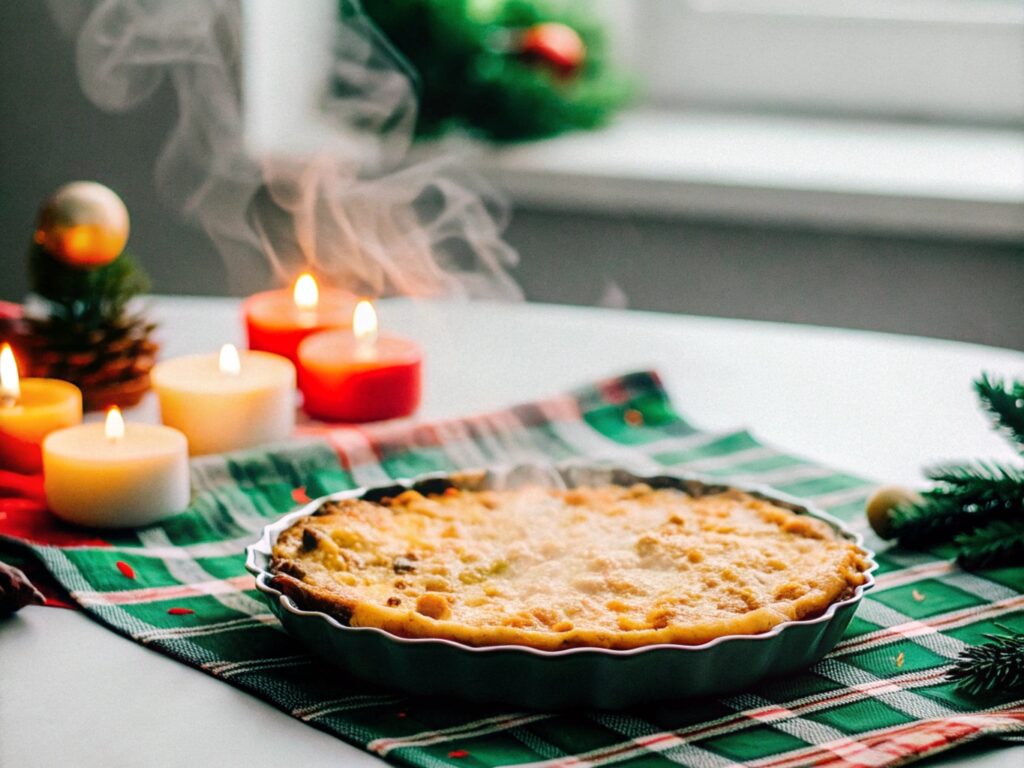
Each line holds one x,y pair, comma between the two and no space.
275,324
337,385
19,455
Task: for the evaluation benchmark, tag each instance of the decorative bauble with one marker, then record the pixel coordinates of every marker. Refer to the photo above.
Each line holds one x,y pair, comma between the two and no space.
883,501
555,44
84,224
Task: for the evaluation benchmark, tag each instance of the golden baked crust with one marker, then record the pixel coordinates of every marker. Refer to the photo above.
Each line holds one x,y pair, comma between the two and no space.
607,567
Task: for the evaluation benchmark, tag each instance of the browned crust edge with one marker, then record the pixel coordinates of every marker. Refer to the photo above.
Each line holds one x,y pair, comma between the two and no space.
409,624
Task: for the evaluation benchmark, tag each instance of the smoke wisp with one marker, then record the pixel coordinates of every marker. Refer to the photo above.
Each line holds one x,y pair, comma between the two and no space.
354,209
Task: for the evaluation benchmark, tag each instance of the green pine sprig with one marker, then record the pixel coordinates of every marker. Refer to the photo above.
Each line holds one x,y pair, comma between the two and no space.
928,522
1005,405
977,507
993,667
964,498
87,298
980,509
992,545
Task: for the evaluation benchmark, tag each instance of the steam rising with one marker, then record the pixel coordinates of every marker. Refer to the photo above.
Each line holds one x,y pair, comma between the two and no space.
354,211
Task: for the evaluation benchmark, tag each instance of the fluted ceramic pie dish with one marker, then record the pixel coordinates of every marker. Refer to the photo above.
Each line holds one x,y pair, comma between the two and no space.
574,677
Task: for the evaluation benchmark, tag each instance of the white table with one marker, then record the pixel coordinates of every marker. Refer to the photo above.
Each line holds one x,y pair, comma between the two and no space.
74,693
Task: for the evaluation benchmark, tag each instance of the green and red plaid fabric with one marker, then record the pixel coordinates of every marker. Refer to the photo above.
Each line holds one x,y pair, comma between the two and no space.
879,698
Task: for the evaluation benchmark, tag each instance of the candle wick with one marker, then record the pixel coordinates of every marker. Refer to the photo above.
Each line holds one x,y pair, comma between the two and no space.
8,401
366,346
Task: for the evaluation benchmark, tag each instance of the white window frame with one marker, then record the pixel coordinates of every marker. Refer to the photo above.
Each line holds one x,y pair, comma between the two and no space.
935,60
288,52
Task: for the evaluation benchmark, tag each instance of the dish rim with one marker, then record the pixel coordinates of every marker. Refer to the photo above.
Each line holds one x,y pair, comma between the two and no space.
263,546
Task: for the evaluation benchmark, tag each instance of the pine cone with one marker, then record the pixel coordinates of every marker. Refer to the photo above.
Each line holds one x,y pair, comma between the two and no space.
110,361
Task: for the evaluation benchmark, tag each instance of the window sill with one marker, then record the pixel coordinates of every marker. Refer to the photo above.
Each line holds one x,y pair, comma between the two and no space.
837,174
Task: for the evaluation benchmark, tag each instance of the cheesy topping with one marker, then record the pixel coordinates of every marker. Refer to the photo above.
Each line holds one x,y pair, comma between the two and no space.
610,567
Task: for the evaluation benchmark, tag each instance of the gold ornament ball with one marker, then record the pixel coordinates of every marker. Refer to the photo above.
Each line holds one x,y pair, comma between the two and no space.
881,504
84,224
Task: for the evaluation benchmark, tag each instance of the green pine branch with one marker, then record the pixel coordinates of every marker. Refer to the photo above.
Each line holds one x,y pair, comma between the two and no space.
984,478
88,298
1001,542
964,498
1005,405
997,666
929,522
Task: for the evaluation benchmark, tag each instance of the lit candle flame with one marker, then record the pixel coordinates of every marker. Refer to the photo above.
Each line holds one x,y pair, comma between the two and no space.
113,427
230,363
306,293
364,327
10,382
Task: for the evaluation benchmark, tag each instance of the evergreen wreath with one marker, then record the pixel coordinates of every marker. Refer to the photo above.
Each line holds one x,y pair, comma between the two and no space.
503,70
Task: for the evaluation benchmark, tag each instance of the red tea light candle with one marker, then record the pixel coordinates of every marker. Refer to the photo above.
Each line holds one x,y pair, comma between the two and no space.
30,409
359,375
277,321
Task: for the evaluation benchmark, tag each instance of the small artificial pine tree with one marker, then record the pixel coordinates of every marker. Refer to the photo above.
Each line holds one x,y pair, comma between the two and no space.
80,328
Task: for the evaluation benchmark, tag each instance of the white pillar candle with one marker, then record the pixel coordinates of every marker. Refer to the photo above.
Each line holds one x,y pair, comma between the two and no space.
116,476
229,401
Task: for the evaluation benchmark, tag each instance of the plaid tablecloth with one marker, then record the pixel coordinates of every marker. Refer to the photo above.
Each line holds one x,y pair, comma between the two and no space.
878,699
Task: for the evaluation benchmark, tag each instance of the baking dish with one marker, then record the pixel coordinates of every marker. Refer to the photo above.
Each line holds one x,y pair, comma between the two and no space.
576,677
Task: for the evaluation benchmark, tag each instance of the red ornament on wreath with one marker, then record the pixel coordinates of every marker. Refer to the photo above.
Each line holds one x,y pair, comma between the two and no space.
83,224
554,44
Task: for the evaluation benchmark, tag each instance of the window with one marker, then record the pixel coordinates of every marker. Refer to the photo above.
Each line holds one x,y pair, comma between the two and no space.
750,100
937,60
953,60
